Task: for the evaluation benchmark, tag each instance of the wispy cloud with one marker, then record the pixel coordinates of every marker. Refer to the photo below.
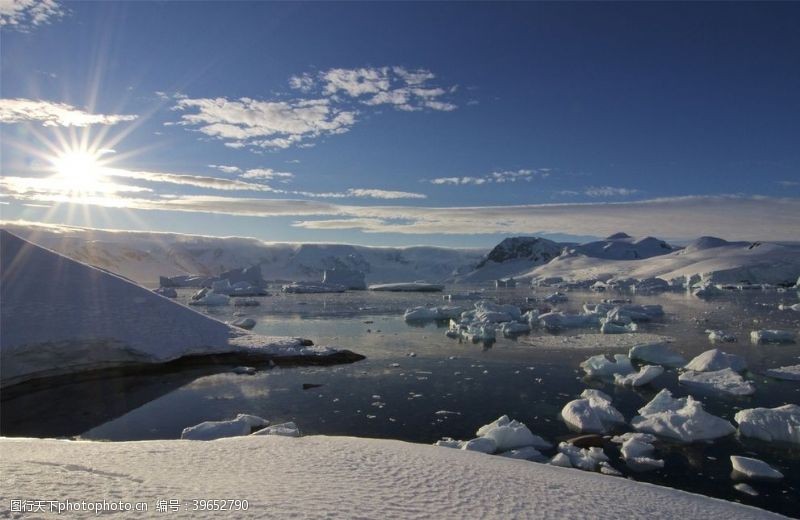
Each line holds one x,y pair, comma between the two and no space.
266,174
199,181
22,15
609,191
49,113
496,177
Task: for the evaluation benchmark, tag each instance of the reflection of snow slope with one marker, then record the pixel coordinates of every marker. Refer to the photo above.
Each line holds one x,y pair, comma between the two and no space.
143,256
341,477
61,316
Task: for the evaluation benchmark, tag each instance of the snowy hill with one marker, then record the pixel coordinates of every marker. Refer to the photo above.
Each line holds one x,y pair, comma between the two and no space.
707,258
143,256
621,246
61,316
511,257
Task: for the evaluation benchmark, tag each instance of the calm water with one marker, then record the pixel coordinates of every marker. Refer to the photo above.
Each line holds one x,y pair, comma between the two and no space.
413,372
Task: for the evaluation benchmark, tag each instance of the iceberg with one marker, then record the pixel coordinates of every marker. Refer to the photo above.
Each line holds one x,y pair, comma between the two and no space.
244,323
407,287
556,297
510,434
587,459
781,424
593,413
680,419
421,314
657,353
715,359
725,381
348,278
243,424
789,373
749,468
481,444
514,328
637,450
209,299
288,429
555,321
644,376
601,366
772,336
312,288
716,336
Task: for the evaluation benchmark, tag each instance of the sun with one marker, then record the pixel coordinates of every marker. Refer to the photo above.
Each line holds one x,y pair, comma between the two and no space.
78,167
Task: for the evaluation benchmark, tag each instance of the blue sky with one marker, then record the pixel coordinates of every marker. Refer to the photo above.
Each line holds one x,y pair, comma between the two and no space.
447,123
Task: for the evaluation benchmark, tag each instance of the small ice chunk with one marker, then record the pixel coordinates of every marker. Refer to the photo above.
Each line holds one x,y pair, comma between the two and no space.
561,320
244,323
513,328
637,450
511,434
608,469
772,336
243,424
591,414
561,460
244,370
640,378
211,299
720,336
610,327
587,459
781,424
789,373
481,444
715,359
601,366
706,290
745,467
448,442
795,307
726,381
556,297
421,314
288,429
681,419
525,453
658,353
747,489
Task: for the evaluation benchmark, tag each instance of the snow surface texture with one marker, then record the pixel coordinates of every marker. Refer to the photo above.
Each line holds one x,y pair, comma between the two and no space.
336,477
89,320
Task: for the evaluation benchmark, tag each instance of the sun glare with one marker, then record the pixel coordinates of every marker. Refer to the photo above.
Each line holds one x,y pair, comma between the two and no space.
81,168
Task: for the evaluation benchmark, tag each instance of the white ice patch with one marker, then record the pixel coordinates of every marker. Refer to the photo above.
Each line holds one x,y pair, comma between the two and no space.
657,353
637,450
681,419
715,359
511,434
781,424
480,444
243,424
772,336
601,366
593,413
583,458
748,468
726,381
288,429
789,373
644,376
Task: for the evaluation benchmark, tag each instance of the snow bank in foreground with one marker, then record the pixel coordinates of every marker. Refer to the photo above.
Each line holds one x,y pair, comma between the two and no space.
60,316
341,477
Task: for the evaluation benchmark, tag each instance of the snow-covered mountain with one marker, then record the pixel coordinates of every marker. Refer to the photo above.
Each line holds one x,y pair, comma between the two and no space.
512,257
144,256
621,246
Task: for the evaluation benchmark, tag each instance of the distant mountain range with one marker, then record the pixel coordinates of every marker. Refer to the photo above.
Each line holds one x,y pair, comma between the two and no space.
144,256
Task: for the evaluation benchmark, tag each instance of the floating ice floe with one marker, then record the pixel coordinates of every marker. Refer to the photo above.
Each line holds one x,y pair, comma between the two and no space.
587,459
644,376
209,298
681,419
481,444
747,489
593,413
795,307
706,290
407,287
449,442
526,453
610,327
601,366
554,321
781,424
243,424
246,302
244,323
748,468
715,359
312,288
511,434
637,450
772,336
725,381
514,328
658,353
789,373
433,313
492,312
167,292
720,336
244,370
288,429
556,297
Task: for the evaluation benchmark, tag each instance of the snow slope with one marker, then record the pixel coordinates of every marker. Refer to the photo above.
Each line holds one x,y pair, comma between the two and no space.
334,477
61,316
144,256
512,256
709,259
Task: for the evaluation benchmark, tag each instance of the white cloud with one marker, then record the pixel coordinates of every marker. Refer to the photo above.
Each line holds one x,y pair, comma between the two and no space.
496,177
225,169
608,191
264,124
25,14
266,173
384,194
54,114
199,181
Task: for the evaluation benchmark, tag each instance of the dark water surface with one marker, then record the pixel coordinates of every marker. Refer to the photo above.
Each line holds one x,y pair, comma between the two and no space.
413,372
